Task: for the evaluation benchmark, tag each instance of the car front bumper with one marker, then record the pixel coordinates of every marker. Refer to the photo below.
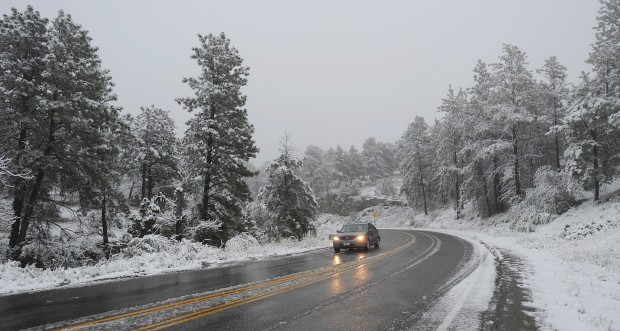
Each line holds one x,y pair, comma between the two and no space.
349,243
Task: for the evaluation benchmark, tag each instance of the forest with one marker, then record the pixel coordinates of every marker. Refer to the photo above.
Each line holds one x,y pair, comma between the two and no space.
520,137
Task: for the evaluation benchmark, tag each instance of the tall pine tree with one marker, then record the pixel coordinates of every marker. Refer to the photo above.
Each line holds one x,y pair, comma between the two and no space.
289,200
219,136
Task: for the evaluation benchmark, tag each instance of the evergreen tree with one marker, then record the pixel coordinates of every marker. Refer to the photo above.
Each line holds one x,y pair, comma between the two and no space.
373,161
341,166
555,92
156,150
593,117
513,110
484,150
355,164
219,136
592,154
449,140
414,163
23,52
289,200
69,121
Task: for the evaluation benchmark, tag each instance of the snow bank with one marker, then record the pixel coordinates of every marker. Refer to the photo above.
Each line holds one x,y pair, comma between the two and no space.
575,260
154,254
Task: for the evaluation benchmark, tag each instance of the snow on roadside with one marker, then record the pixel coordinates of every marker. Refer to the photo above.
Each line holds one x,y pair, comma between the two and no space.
575,260
154,255
463,304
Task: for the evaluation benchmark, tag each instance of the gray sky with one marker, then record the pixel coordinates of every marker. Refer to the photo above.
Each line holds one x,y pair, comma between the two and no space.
327,72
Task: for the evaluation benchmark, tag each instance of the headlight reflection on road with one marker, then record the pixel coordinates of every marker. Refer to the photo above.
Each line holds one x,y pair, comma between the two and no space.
337,260
362,274
336,285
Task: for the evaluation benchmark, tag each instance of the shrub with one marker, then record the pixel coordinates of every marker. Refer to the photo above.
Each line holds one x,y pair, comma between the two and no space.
241,242
206,232
55,254
386,188
553,194
151,243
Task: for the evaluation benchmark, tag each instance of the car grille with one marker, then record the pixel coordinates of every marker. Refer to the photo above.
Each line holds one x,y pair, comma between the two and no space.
347,237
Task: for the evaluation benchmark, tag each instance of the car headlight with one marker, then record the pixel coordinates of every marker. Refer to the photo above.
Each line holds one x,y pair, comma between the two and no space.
360,237
336,238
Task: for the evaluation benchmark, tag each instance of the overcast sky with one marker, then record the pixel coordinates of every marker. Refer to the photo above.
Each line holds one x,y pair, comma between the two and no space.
327,72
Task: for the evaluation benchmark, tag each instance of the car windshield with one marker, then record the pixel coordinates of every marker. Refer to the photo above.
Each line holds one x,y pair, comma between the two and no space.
354,228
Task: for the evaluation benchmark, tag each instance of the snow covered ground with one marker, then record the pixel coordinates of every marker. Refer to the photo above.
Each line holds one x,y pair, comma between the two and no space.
572,264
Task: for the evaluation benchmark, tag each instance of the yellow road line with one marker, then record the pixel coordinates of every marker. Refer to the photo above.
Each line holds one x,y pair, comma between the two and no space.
329,271
191,301
229,305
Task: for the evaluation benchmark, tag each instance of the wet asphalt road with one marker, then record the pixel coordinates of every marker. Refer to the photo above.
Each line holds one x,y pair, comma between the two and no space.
383,288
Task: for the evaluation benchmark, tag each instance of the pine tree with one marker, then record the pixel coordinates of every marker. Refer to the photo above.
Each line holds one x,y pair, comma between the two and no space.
485,151
373,161
593,117
414,163
450,143
68,119
23,51
156,152
513,110
287,197
592,155
555,92
354,164
219,136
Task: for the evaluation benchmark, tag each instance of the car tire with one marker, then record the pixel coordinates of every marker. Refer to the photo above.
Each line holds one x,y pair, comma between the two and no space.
377,244
367,245
336,250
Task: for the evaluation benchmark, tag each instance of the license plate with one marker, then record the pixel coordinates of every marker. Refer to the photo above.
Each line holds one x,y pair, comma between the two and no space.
346,244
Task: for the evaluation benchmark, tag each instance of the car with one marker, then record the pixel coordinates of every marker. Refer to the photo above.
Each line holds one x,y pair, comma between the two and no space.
356,235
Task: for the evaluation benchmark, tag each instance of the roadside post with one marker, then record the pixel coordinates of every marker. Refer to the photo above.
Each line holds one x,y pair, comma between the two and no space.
375,215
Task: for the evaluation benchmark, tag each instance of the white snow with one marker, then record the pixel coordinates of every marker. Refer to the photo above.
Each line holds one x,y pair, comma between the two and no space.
573,262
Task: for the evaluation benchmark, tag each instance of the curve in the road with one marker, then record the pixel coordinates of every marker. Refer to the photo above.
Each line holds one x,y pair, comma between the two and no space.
207,304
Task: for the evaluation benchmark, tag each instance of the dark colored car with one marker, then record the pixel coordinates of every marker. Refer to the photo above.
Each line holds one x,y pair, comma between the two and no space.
356,235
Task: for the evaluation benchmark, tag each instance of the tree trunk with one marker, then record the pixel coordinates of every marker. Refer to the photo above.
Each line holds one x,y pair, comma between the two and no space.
486,196
595,166
133,184
104,226
557,139
143,188
496,187
178,213
18,204
423,190
30,208
515,152
18,195
150,181
457,192
34,193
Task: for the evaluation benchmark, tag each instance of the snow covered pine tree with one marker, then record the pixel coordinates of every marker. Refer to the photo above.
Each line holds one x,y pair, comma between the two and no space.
219,137
289,200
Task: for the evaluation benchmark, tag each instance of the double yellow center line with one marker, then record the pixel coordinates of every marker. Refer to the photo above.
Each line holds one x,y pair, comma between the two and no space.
296,280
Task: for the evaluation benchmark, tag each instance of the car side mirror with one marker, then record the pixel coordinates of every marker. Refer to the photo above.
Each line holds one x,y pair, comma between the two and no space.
337,231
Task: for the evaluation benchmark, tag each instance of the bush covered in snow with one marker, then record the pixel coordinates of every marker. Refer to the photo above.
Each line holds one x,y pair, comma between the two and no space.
241,242
386,188
59,253
151,243
552,195
585,229
206,232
